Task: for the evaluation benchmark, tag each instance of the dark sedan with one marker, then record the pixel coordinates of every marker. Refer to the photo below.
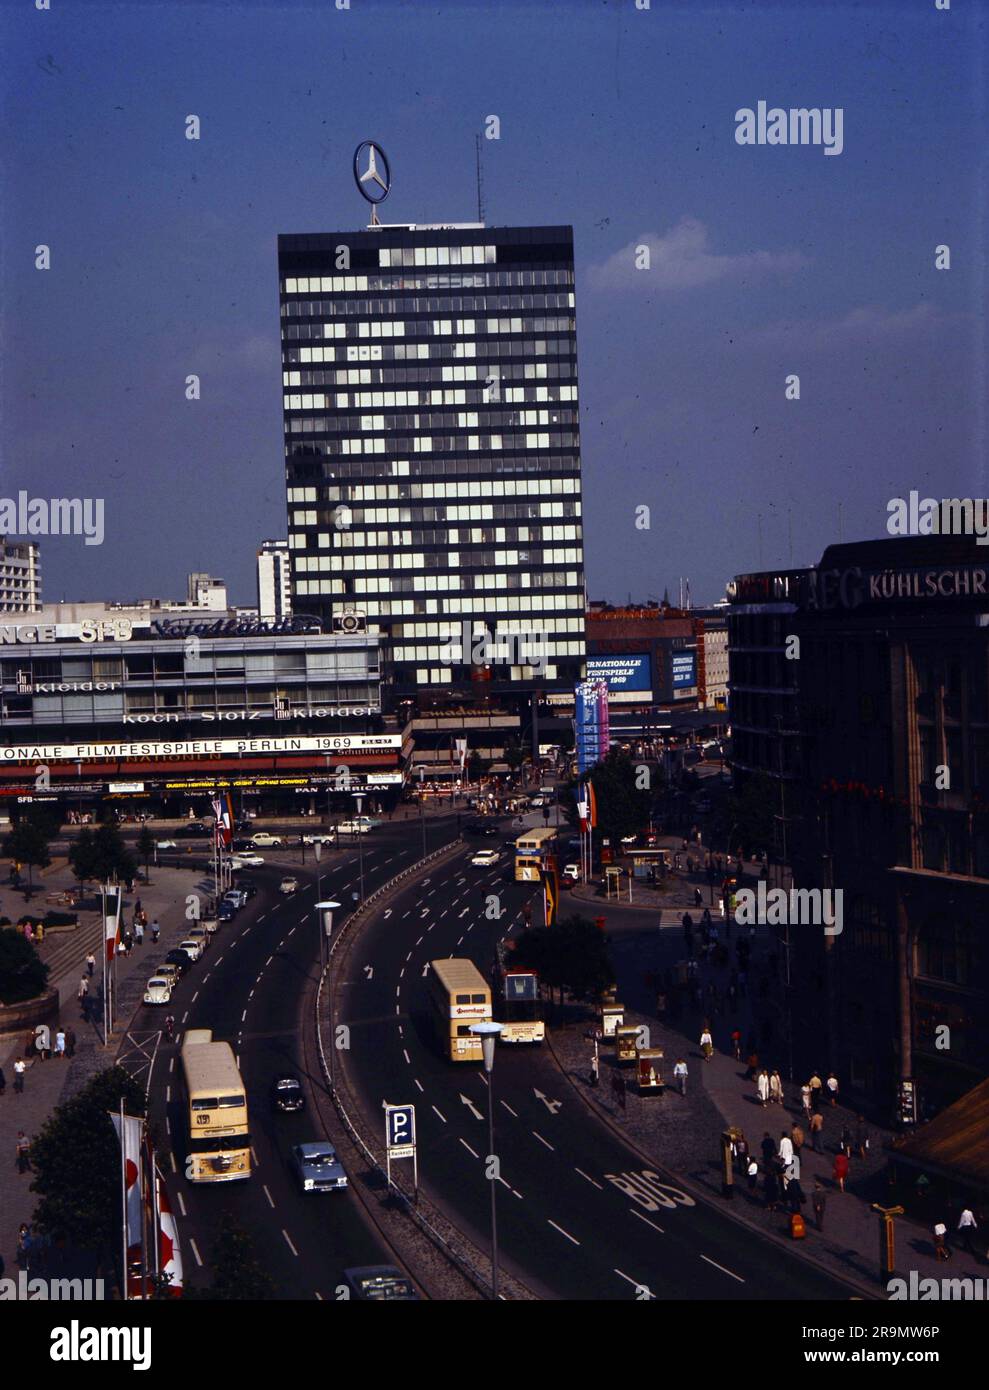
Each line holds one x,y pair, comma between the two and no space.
180,959
287,1094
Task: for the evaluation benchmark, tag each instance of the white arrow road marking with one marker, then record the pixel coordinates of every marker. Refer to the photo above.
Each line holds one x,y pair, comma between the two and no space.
551,1105
470,1106
425,970
648,1222
563,1232
723,1270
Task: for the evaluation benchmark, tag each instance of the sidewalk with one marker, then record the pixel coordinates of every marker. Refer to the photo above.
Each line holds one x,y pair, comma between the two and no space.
47,1083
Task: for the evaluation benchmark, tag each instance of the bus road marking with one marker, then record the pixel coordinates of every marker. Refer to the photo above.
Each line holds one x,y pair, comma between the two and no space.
469,1149
271,1200
723,1270
513,1113
562,1231
659,1229
590,1180
544,1141
635,1283
442,1116
181,1203
288,1240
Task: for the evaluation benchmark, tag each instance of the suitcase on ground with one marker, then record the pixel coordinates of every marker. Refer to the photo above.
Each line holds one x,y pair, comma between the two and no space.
798,1228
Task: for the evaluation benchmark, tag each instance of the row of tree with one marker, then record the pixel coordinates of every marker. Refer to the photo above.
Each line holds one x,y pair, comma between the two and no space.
99,853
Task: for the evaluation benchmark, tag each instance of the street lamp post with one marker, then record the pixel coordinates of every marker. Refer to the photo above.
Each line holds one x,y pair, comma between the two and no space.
324,922
359,798
488,1033
422,811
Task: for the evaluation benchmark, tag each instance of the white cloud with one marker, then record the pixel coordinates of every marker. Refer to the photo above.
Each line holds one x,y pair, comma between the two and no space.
863,325
682,260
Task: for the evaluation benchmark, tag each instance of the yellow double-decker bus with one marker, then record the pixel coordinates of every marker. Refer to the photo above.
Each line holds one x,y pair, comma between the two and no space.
459,996
219,1144
533,851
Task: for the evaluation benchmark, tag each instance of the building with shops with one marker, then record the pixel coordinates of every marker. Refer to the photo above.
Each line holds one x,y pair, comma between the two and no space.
649,656
274,580
432,451
860,689
160,713
20,577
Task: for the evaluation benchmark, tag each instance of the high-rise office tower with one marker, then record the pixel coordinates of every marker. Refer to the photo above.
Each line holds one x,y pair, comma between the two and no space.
274,580
432,447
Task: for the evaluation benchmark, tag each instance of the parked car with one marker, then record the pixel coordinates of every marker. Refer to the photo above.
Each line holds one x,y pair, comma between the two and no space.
324,839
246,861
226,912
166,844
262,840
485,858
380,1284
571,873
168,971
288,885
179,958
200,934
287,1093
194,828
247,886
360,825
236,897
192,947
158,990
318,1168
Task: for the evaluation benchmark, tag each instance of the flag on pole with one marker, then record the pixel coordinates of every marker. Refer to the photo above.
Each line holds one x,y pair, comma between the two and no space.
133,1179
169,1253
593,805
551,889
223,811
113,899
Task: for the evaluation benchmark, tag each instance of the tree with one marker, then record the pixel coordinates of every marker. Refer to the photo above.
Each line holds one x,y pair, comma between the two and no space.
622,806
28,844
23,975
146,848
514,755
570,956
749,817
112,860
82,857
239,1273
76,1159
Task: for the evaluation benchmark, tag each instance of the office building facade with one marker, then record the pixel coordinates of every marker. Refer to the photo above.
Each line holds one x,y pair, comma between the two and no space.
432,449
274,580
20,577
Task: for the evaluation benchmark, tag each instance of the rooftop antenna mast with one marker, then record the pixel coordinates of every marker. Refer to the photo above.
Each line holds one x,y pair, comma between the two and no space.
480,181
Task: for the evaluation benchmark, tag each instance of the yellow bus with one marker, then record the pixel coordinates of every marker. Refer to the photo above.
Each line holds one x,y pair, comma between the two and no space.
459,996
532,853
219,1144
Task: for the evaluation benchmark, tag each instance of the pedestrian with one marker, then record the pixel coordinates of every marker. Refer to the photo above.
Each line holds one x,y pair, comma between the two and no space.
815,1085
967,1224
43,1042
771,1189
762,1087
595,1068
752,1171
155,930
839,1172
82,993
736,1044
805,1100
90,964
818,1201
680,1072
707,1042
752,1066
139,934
23,1245
845,1144
785,1150
797,1135
795,1195
70,1042
23,1150
832,1088
60,1044
20,1067
861,1140
941,1251
817,1131
740,1147
776,1088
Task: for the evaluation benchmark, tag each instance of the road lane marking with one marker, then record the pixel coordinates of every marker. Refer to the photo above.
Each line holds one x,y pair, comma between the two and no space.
243,1016
635,1283
409,956
465,912
648,1222
562,1231
441,1115
723,1270
419,1084
271,1200
171,1065
469,1149
405,1054
544,1141
268,961
254,1157
509,1109
598,1185
319,1295
168,1095
181,1202
175,1166
195,1251
288,1239
418,943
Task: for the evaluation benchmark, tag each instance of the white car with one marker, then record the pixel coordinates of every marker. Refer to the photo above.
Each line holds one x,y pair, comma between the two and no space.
288,885
318,839
246,861
198,933
485,858
166,844
572,871
158,990
537,801
262,840
192,947
359,826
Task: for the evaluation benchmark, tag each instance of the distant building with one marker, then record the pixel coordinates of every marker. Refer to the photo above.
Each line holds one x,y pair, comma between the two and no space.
20,577
648,655
203,591
274,580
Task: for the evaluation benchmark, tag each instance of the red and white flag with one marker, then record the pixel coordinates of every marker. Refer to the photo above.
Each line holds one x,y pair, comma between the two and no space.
133,1179
223,811
169,1253
113,902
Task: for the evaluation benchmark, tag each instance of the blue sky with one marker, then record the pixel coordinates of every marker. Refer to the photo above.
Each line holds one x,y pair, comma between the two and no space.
766,261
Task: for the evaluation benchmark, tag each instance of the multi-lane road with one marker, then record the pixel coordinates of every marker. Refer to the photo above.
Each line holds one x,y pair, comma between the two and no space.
581,1214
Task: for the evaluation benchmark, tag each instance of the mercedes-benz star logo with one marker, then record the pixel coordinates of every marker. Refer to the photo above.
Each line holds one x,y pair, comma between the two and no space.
374,179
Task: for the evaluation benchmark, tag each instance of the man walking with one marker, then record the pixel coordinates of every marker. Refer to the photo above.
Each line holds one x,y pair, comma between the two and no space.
818,1202
680,1072
23,1152
139,934
967,1224
817,1131
82,994
155,930
60,1044
90,964
20,1068
70,1042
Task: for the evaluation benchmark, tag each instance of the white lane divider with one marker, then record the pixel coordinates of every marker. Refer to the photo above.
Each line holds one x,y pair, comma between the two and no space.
511,1112
181,1202
195,1251
737,1277
469,1149
563,1232
639,1288
598,1185
271,1200
405,1054
656,1228
288,1239
544,1141
440,1113
419,1084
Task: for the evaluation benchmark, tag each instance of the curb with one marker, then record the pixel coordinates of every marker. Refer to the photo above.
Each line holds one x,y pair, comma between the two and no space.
861,1290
